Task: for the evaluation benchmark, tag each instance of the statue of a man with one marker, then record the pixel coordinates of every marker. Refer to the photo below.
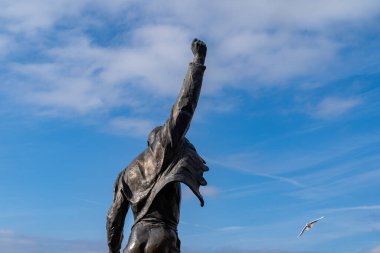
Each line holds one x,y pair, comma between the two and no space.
150,185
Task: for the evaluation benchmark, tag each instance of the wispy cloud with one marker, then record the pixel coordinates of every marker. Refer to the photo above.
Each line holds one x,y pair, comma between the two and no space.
231,229
375,250
234,162
332,107
18,243
354,208
92,202
239,250
322,171
351,169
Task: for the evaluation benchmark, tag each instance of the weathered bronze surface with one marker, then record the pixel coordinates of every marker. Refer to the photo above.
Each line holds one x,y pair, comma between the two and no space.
150,184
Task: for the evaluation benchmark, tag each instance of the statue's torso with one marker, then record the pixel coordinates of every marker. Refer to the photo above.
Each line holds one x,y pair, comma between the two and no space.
165,208
142,174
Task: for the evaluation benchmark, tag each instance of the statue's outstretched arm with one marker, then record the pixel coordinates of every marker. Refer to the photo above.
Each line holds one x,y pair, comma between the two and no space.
116,217
182,111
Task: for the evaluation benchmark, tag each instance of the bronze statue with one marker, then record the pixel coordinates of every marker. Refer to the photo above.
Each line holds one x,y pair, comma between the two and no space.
150,185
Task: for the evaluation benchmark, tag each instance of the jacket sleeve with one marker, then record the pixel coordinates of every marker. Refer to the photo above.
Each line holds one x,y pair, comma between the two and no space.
176,126
116,217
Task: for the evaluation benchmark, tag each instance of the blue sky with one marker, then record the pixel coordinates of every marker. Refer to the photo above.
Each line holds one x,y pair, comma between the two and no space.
288,120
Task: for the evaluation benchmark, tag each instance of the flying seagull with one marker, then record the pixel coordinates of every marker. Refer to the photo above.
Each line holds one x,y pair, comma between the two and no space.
309,225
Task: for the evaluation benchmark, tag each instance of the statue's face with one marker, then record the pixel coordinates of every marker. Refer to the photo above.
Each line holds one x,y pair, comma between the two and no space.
153,136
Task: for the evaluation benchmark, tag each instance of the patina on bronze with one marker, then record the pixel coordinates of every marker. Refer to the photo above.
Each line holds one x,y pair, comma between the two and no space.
150,184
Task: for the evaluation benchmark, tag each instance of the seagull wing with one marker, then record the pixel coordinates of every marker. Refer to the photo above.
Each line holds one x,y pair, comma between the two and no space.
303,230
314,221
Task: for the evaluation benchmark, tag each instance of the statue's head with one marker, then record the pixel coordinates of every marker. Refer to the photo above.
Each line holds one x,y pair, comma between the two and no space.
153,136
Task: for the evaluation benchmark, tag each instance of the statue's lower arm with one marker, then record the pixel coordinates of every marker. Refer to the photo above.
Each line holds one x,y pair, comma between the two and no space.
183,109
116,217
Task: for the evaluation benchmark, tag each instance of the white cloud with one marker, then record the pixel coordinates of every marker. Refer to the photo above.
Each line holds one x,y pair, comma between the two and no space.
18,243
30,17
375,250
70,82
271,58
210,191
27,16
6,232
332,107
206,191
258,14
131,126
262,43
156,61
84,78
5,45
268,41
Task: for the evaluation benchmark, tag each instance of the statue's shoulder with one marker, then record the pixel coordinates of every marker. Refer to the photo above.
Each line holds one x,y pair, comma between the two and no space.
134,170
139,177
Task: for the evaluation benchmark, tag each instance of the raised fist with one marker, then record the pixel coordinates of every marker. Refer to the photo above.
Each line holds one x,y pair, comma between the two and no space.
199,49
